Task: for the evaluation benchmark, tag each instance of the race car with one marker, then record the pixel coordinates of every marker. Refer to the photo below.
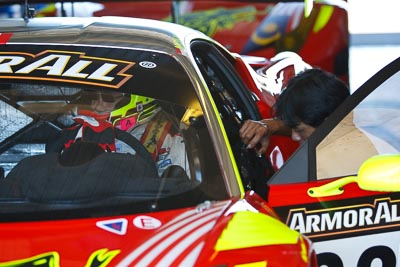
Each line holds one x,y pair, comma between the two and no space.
120,146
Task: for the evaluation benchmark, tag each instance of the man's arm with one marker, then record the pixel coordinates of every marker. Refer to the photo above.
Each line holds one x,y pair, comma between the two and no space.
256,134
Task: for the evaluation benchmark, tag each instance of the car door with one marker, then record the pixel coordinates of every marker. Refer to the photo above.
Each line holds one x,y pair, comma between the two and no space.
314,191
235,104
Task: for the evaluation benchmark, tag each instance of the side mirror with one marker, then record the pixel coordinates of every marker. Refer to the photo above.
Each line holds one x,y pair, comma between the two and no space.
378,173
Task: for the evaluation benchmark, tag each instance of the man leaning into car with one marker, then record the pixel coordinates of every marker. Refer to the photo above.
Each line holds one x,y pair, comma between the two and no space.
309,98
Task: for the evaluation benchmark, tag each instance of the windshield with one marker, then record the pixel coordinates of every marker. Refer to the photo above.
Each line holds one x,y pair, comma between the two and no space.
71,148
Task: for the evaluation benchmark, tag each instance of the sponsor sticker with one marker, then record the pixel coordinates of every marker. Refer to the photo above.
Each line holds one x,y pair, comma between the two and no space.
116,226
66,66
147,64
146,222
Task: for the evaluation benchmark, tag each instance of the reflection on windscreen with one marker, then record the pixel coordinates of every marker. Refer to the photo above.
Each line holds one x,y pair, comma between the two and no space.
372,128
67,148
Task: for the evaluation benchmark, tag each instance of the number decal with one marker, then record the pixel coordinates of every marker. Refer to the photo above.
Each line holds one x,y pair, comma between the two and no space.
329,259
383,254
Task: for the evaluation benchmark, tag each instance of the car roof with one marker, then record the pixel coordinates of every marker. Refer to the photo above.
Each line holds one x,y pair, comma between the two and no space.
115,31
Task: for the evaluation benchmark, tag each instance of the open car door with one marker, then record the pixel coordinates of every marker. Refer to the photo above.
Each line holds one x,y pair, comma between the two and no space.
341,187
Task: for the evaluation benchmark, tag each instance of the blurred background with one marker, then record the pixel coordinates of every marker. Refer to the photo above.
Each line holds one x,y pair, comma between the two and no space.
374,28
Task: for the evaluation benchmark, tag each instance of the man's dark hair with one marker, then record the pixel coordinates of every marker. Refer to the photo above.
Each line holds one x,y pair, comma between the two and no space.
310,97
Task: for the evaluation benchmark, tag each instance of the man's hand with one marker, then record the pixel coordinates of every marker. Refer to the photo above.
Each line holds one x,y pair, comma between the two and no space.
255,134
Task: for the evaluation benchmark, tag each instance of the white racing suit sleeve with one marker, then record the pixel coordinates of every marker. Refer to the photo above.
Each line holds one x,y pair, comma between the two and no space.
171,152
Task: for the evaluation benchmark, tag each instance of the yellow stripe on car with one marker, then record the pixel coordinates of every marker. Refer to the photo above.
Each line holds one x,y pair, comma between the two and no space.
253,264
247,229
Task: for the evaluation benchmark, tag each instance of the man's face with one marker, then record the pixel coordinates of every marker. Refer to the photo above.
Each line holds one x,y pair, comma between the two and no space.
104,103
301,132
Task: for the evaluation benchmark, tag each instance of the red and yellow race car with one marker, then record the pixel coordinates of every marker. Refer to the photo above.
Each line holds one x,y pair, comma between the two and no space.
119,147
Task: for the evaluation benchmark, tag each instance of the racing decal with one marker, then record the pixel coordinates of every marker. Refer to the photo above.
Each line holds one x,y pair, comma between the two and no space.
116,226
91,67
179,242
4,37
101,257
383,213
50,259
66,66
147,64
366,251
146,222
369,225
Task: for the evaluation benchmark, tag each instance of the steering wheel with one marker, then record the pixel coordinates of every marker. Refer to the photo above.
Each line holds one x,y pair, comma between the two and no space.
136,145
57,145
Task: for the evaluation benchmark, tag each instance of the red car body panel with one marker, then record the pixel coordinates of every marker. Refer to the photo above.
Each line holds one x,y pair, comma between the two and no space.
137,240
